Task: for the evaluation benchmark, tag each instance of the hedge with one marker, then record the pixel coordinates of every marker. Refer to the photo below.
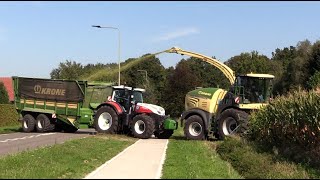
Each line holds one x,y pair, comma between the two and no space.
8,115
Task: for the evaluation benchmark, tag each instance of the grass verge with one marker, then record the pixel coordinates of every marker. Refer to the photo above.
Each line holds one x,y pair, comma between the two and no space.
194,160
253,163
73,159
10,129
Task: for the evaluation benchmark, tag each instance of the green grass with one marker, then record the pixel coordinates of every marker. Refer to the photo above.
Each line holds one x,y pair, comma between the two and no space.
73,159
10,129
194,160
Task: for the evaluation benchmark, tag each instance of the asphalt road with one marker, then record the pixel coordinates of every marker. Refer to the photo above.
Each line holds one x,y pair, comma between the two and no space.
17,142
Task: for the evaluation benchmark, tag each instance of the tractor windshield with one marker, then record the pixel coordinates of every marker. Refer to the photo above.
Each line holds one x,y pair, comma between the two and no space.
137,96
254,89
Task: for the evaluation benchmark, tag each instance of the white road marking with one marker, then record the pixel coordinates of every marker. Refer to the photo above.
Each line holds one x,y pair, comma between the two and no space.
29,137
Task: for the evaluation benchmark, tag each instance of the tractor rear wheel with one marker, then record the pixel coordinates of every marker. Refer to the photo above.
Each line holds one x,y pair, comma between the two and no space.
194,128
232,121
142,126
106,120
28,123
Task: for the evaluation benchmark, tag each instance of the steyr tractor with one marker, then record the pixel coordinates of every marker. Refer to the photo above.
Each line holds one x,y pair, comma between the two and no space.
125,112
217,112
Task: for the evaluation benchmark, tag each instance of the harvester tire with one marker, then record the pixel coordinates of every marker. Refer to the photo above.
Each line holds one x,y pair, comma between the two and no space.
166,134
28,123
142,126
43,124
231,122
194,128
106,120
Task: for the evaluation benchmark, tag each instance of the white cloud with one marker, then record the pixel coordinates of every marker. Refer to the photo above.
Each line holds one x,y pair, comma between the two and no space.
176,34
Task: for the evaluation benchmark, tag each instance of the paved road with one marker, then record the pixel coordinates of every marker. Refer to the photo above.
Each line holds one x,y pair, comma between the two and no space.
142,160
17,142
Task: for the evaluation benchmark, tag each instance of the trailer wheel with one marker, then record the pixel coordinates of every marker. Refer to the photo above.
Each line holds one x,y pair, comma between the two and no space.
166,134
28,123
194,128
106,120
142,126
232,121
43,124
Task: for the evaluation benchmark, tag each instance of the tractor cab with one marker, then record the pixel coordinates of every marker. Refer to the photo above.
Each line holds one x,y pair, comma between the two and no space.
253,88
127,96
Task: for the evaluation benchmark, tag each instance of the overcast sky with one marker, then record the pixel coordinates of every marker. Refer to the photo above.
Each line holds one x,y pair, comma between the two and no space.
36,36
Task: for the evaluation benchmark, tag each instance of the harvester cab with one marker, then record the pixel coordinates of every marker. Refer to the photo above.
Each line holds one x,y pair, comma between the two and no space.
253,88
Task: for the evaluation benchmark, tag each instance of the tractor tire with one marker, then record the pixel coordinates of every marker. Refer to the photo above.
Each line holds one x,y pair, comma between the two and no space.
106,120
232,121
166,134
142,126
43,124
28,123
194,128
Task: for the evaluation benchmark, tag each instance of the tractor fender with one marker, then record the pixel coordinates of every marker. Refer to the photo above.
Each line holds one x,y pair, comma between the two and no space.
205,116
116,106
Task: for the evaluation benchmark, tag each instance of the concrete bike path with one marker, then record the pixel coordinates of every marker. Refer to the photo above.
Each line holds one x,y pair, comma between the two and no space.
141,160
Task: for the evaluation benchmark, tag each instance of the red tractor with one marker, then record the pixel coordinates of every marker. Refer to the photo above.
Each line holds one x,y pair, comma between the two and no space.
125,111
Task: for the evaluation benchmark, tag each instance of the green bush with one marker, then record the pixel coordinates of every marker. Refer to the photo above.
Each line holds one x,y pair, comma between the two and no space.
4,98
292,125
8,115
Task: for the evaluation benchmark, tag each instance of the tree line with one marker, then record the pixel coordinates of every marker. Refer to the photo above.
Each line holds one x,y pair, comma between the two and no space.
294,67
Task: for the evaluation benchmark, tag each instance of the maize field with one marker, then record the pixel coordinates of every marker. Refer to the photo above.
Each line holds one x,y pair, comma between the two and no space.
293,119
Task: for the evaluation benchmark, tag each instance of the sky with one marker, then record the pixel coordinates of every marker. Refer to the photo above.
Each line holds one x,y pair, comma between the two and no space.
35,36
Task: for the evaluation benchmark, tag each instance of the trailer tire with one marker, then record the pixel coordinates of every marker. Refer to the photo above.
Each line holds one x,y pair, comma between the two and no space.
194,128
142,126
28,123
106,120
232,120
44,124
166,134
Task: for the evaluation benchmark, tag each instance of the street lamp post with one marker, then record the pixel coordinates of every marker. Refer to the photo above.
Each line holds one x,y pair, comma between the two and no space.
146,74
118,44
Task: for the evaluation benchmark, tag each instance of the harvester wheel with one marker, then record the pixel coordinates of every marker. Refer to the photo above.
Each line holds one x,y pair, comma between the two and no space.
232,121
28,123
166,134
142,126
43,124
194,128
106,120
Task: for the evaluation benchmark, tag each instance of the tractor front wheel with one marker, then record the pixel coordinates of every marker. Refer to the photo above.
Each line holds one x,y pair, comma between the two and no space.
142,126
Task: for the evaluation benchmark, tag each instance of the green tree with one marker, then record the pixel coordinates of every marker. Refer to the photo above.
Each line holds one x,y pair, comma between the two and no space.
4,98
68,70
180,82
314,81
314,60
